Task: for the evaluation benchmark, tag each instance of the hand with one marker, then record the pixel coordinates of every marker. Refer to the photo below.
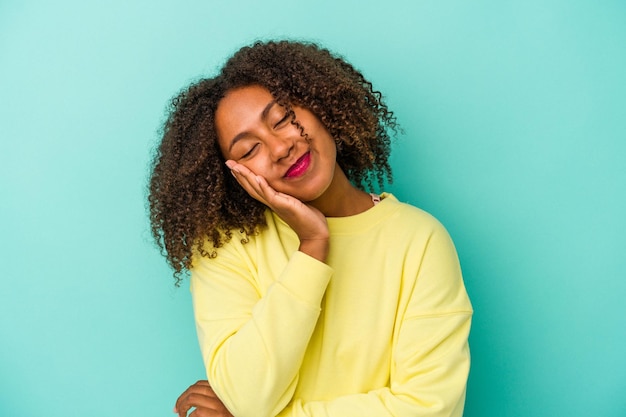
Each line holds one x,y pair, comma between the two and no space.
309,223
201,396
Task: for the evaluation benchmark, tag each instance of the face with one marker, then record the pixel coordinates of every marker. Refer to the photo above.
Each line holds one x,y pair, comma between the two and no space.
257,132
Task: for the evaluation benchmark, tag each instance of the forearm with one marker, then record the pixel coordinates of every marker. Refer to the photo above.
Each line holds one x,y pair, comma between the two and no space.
253,356
428,378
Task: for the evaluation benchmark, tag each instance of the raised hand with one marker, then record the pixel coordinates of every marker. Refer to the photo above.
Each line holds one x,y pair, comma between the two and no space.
309,223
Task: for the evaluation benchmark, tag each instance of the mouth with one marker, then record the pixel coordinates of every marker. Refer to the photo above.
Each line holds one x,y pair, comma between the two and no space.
299,167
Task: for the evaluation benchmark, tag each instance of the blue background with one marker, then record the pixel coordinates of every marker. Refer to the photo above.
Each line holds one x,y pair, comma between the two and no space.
515,124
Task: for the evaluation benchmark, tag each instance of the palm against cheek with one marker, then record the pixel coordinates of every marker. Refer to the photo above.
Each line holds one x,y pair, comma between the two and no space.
308,222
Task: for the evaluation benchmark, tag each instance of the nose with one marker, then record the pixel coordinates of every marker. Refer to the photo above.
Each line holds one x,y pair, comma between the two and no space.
280,147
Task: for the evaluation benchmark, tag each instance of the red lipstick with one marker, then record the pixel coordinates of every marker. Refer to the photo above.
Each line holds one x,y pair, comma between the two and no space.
300,167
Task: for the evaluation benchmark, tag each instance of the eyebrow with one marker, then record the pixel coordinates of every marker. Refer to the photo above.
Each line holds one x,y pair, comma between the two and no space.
241,135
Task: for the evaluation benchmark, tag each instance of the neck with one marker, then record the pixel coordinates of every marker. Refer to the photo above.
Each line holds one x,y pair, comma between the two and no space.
341,198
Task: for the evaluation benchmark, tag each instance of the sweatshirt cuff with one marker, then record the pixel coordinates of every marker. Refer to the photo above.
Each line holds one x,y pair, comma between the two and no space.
306,278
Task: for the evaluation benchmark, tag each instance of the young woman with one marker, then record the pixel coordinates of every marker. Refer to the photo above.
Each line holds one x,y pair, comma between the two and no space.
312,297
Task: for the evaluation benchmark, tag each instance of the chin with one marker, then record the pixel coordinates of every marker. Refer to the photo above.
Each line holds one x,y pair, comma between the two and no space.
307,191
302,196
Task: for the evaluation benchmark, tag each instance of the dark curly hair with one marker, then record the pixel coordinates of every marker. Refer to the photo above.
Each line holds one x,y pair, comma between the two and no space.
192,195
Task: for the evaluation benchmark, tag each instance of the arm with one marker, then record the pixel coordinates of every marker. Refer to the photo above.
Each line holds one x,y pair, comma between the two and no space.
429,384
430,358
253,341
308,222
253,344
430,353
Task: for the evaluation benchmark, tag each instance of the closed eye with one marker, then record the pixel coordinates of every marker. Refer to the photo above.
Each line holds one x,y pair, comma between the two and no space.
283,121
250,152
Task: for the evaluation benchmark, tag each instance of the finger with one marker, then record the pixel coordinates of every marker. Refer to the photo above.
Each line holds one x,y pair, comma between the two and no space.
200,402
276,200
258,187
193,387
250,183
238,168
200,387
194,395
205,412
245,177
266,191
219,411
203,401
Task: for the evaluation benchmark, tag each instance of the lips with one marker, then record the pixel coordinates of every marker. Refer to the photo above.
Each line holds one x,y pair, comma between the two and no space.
299,167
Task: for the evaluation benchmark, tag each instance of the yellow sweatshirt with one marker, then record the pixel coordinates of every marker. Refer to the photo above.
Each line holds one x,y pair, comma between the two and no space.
380,329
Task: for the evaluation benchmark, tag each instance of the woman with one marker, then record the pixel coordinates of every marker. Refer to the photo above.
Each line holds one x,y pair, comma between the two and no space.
312,297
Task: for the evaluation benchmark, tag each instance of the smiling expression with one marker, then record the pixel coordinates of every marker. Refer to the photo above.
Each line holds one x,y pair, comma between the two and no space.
257,132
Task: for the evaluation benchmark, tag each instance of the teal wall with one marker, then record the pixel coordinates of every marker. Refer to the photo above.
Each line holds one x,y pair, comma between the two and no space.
515,128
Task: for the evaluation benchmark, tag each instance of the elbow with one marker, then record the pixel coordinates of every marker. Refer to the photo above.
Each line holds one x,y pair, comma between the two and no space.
244,398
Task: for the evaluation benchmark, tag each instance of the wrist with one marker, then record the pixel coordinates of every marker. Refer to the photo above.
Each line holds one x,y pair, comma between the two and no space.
315,248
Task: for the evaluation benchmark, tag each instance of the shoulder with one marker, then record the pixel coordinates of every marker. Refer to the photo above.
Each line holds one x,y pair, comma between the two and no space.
407,217
237,243
431,265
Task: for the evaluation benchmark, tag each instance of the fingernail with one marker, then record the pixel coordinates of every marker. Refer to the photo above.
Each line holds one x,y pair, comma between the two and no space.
230,164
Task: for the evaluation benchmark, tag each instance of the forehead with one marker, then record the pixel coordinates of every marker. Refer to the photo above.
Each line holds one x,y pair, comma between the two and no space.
241,105
241,100
239,110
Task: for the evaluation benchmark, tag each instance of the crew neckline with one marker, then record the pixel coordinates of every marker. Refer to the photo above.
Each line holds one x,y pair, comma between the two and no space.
361,221
364,220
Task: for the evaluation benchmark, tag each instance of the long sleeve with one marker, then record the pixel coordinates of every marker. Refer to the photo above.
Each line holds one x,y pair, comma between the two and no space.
380,330
430,354
428,382
253,339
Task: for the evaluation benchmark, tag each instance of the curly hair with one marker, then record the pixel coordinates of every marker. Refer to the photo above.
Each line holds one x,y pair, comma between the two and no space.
193,197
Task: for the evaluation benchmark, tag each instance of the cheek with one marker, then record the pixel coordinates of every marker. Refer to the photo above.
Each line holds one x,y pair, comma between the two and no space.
257,167
330,147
